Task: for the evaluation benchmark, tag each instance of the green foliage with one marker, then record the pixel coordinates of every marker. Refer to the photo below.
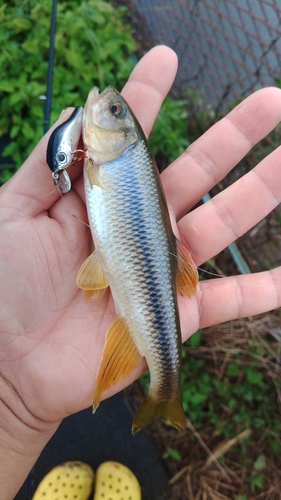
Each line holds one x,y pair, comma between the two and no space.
243,396
172,453
195,339
144,381
256,482
169,134
260,463
240,399
92,47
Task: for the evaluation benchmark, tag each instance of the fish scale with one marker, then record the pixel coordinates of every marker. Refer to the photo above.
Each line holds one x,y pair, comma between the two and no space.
126,222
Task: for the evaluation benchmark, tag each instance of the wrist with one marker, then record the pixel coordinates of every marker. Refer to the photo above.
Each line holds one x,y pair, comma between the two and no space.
22,438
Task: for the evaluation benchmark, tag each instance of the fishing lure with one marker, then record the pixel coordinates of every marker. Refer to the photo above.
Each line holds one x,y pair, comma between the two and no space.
62,148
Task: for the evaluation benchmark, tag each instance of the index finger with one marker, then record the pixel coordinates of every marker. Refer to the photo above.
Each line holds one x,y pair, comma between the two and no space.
147,86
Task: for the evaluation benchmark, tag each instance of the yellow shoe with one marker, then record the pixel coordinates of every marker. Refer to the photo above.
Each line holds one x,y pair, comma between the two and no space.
114,481
70,480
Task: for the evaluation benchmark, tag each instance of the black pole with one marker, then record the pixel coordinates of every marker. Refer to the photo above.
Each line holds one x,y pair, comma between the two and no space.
48,102
28,485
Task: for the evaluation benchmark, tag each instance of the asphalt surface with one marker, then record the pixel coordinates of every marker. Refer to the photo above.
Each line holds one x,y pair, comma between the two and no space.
104,436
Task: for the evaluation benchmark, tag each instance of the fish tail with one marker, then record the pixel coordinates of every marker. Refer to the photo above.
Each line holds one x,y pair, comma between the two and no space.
151,409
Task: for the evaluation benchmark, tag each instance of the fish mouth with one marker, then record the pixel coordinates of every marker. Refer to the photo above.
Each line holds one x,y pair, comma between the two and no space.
94,94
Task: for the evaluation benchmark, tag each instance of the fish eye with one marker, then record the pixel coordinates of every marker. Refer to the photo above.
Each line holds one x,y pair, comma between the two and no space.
118,109
61,157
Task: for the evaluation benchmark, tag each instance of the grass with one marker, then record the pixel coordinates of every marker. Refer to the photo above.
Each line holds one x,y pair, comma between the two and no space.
231,448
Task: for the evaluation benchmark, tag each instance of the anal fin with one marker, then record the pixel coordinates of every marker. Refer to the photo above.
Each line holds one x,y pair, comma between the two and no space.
187,275
120,357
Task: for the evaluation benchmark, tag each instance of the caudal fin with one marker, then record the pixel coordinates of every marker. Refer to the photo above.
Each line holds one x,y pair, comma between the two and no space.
152,409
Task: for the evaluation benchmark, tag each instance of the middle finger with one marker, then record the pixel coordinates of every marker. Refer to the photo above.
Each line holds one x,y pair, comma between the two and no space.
213,155
213,226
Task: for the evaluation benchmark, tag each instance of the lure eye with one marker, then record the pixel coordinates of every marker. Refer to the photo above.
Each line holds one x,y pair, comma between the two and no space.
61,157
118,109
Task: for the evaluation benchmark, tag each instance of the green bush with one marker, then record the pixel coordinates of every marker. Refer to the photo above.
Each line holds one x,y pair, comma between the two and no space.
92,47
169,134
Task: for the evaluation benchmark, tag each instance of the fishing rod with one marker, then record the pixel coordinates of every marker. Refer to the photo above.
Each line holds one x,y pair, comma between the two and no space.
28,484
48,101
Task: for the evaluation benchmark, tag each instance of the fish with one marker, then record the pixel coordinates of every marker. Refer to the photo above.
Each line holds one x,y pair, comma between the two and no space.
136,254
61,146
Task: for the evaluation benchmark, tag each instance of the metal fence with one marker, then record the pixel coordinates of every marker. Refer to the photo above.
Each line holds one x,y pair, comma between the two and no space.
226,50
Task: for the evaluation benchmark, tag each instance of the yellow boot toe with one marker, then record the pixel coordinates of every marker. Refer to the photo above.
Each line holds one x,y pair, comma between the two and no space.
68,481
114,481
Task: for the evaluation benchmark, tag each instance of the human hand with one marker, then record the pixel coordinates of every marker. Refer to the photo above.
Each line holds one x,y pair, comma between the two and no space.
51,336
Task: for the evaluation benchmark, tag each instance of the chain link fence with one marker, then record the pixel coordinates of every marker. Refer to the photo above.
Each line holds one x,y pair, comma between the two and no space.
227,49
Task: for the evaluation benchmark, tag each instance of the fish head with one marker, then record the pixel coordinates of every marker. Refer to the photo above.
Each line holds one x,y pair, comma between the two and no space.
109,126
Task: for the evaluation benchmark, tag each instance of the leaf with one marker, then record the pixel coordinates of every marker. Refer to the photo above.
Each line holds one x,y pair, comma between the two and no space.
198,398
195,339
10,149
22,23
74,59
172,453
27,130
260,463
253,376
14,131
6,86
256,482
15,98
233,369
275,447
31,46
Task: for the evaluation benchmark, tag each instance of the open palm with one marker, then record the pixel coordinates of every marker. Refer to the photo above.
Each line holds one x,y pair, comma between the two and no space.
51,337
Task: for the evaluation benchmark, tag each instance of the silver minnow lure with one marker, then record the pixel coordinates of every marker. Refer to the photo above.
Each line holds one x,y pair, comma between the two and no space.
61,146
136,254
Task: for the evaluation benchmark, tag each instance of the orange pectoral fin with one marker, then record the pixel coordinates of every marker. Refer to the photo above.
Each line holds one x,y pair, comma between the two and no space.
91,277
120,357
187,275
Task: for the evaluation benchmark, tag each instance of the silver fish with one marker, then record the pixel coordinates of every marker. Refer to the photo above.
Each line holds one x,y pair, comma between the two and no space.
136,254
61,146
